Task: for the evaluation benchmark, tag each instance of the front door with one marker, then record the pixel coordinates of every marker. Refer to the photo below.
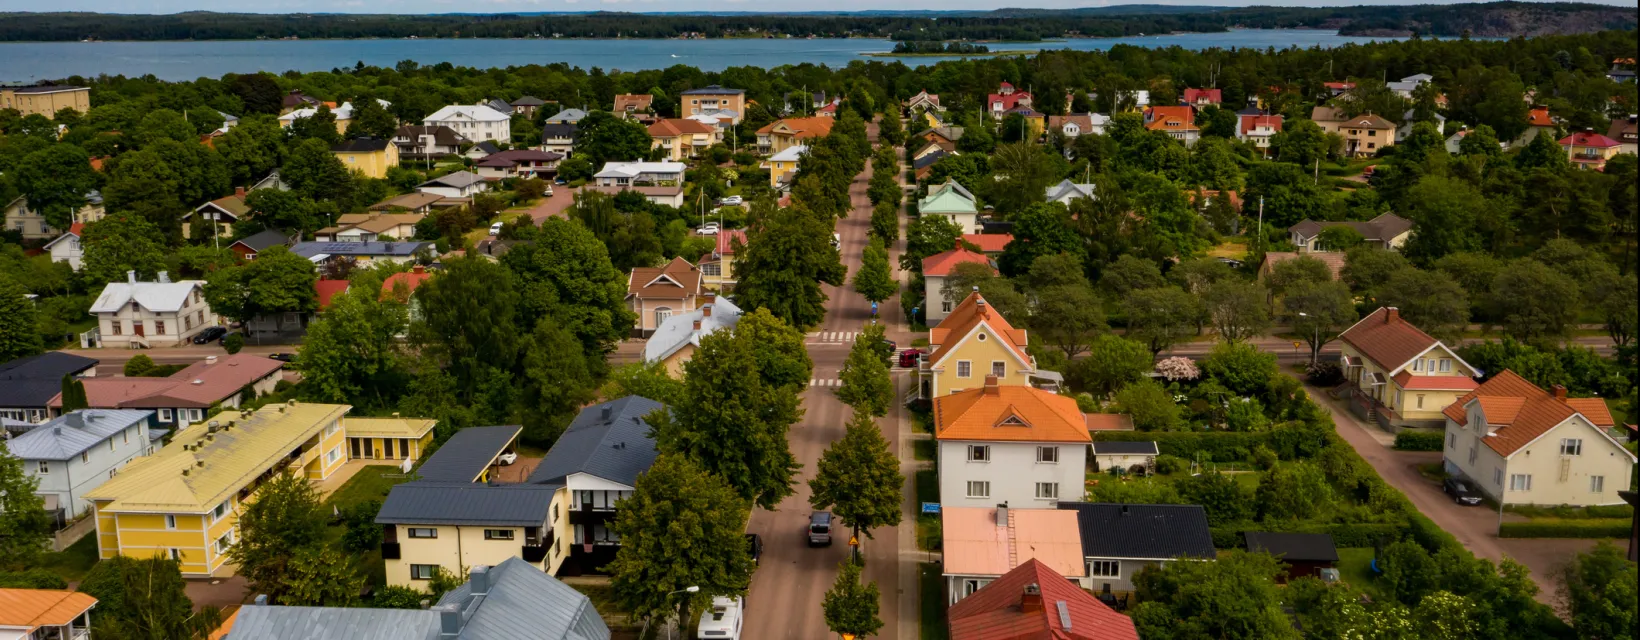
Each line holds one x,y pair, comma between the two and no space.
369,448
136,327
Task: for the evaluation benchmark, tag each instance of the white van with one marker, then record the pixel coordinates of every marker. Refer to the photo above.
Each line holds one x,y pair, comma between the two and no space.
495,229
723,620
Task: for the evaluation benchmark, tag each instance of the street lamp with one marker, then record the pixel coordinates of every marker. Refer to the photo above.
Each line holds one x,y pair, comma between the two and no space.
1313,348
688,589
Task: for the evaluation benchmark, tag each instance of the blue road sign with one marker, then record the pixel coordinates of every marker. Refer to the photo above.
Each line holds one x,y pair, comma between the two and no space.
930,507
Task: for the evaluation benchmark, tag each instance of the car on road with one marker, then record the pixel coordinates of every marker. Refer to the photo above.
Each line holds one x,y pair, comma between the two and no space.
708,229
731,201
495,229
723,620
908,358
283,357
820,529
754,545
836,240
209,334
1461,492
548,192
508,458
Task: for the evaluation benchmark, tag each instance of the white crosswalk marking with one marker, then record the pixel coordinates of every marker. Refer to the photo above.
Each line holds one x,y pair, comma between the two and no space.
832,337
825,382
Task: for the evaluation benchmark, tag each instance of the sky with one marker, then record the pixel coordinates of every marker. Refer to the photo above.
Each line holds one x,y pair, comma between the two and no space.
507,6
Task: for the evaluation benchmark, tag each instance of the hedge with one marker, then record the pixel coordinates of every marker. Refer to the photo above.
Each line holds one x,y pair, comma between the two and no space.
1419,440
1548,528
1343,535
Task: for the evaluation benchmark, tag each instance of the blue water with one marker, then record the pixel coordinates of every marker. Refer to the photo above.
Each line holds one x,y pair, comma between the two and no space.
190,60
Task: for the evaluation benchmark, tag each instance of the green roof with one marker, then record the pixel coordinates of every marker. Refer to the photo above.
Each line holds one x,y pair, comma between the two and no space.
948,199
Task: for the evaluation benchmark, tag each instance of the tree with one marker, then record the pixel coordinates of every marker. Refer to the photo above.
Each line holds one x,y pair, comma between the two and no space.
361,534
55,180
313,172
285,518
1431,300
1112,362
371,120
319,126
1241,368
1620,309
144,599
873,281
1480,141
1293,272
858,478
786,259
276,282
258,92
138,366
119,243
850,607
1162,316
1237,309
644,379
556,382
885,222
350,354
1339,238
1598,588
322,577
1224,499
24,523
1535,302
1130,273
1042,229
1151,406
1067,317
19,328
1318,311
567,274
1301,142
1445,211
1292,491
73,394
163,124
1024,172
926,236
605,138
866,384
468,326
1231,598
682,527
782,360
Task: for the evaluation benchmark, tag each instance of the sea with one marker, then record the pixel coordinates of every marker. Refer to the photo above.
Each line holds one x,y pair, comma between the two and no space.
188,60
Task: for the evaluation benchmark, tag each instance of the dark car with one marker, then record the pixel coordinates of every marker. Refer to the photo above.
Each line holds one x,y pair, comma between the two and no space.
283,357
754,544
908,358
819,529
210,334
1461,492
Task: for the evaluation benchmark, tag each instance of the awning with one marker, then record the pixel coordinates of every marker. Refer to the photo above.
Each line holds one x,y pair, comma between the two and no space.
1053,376
1350,362
1376,378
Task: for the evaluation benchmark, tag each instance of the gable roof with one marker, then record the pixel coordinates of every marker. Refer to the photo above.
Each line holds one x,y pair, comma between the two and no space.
637,101
74,231
1387,339
412,201
409,280
1066,613
609,440
800,128
523,602
468,453
1333,259
33,381
968,315
233,205
1147,531
1181,118
425,502
1523,412
1539,117
792,153
1588,139
1251,122
30,609
1383,228
942,264
928,159
554,130
528,101
467,112
360,145
513,157
948,198
679,330
327,291
1192,95
264,622
1071,189
674,127
264,239
67,435
311,250
988,242
678,279
1008,413
153,296
713,90
570,115
976,545
442,135
951,133
1086,122
1293,547
1411,382
199,385
460,180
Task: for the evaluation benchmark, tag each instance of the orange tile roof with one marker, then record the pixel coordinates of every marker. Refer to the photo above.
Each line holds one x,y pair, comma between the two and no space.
327,291
942,264
35,608
1434,383
674,127
1522,412
411,280
1387,339
1009,413
1172,119
811,127
1539,117
988,242
968,315
976,546
995,612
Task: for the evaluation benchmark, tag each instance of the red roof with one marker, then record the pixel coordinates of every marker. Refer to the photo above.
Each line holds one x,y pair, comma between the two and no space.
1008,100
941,264
1172,119
1212,96
201,384
726,241
327,291
1588,139
674,127
1539,117
1522,412
1411,382
410,280
1387,339
1341,86
1250,122
988,242
998,612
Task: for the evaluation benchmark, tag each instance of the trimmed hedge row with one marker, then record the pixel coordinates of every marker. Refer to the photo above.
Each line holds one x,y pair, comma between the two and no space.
1343,535
1419,440
1214,446
1591,528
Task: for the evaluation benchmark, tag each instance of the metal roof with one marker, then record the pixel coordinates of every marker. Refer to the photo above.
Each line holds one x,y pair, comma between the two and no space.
33,381
153,296
1152,531
465,503
467,453
262,622
314,249
523,602
609,440
66,436
1119,447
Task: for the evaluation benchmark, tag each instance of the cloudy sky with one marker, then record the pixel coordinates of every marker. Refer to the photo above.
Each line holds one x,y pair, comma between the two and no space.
499,6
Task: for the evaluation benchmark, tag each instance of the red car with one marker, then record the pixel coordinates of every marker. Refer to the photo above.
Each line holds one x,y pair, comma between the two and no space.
908,358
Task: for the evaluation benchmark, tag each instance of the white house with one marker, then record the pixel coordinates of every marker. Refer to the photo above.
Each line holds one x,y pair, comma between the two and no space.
134,314
1258,129
461,184
1523,445
67,247
617,174
1066,191
955,203
76,452
1009,444
1117,454
473,122
1078,124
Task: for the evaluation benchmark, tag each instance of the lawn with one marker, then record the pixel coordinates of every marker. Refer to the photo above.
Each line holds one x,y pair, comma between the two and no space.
923,449
603,599
371,483
1355,568
75,561
928,525
932,626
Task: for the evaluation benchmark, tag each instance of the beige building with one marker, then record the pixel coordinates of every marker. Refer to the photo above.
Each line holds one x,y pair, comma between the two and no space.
938,267
717,269
1364,135
1398,375
674,342
143,315
681,138
1520,444
370,227
45,100
713,100
657,293
32,225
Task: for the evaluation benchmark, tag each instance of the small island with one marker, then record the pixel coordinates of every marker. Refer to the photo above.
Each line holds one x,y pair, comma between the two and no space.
939,48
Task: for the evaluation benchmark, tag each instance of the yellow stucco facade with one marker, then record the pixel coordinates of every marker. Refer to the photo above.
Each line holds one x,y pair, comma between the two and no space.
981,353
45,101
373,164
455,549
1414,404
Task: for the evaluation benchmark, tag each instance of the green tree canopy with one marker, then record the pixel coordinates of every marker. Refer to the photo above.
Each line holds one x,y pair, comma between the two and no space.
786,259
285,518
277,281
851,607
858,478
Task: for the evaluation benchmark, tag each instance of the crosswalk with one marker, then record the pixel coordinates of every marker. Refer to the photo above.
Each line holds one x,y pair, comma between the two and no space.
825,382
831,336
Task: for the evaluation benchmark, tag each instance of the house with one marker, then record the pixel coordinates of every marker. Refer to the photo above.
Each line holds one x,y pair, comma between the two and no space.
518,163
559,138
714,98
634,106
222,213
982,544
184,500
460,184
1410,120
1178,122
925,101
43,614
1077,124
1538,122
1623,130
1387,231
936,269
414,202
343,115
45,99
375,226
1335,89
134,314
568,116
922,165
187,396
1519,444
393,438
32,225
669,196
782,166
473,122
481,150
1405,86
497,602
674,342
327,290
527,105
1400,376
364,252
1305,554
401,287
1009,444
618,174
247,248
28,384
1120,540
1199,98
974,332
944,136
1258,129
1333,259
655,293
1454,142
1133,101
1006,98
1364,135
67,247
367,156
422,142
717,269
785,133
1589,150
1035,122
592,467
990,244
1034,602
1122,454
76,452
1066,191
954,202
296,100
681,138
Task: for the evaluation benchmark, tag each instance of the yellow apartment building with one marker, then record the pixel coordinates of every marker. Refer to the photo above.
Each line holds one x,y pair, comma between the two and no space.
45,100
368,156
392,438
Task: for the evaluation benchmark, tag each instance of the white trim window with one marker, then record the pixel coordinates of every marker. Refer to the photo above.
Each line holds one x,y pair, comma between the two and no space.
1446,365
165,415
1597,484
498,534
1451,440
1520,482
1418,365
979,489
979,453
1571,446
1047,491
1105,568
965,369
999,368
422,571
170,522
423,532
1047,455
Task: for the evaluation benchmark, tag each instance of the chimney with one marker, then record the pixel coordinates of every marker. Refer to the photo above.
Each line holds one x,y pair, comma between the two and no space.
607,412
711,298
992,386
449,621
1391,314
418,269
1124,511
210,359
56,431
131,277
1002,515
1031,601
697,325
706,311
479,578
165,277
239,191
261,600
1560,392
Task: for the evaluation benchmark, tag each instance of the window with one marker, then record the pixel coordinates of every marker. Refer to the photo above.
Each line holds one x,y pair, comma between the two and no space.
195,415
224,542
1105,568
1047,491
1497,477
1597,484
965,369
661,315
45,467
711,269
1472,454
999,368
979,453
165,415
176,555
125,436
979,489
1446,365
1520,482
422,571
980,337
1049,455
1571,446
111,444
423,532
85,456
334,454
114,328
219,511
969,586
331,428
1451,440
1418,365
159,327
1420,401
945,305
498,534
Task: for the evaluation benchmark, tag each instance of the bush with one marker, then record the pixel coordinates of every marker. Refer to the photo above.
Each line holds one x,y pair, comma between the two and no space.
31,579
1211,447
1324,374
1166,464
233,343
1265,457
1551,528
138,366
1419,440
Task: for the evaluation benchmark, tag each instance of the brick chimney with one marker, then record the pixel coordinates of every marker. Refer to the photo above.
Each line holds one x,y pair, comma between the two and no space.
992,387
697,325
710,298
706,311
1031,600
1391,314
418,269
1560,392
239,191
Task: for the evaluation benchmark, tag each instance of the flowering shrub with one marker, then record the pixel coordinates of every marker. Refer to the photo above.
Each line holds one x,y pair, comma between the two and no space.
1178,368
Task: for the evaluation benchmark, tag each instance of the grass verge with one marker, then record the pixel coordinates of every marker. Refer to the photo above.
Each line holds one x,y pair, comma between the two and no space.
923,449
75,561
371,483
932,621
1355,568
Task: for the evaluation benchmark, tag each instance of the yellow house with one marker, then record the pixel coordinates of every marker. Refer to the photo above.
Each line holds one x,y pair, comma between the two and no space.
717,269
45,100
183,501
392,438
368,156
971,344
681,137
1589,150
782,166
1364,135
1398,375
674,342
781,134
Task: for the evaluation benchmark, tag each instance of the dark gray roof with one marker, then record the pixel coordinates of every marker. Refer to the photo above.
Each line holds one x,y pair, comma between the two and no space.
552,130
261,622
1293,547
523,602
528,101
712,90
466,503
35,380
1142,530
1116,447
1381,229
928,159
312,249
609,440
467,453
487,147
362,145
264,239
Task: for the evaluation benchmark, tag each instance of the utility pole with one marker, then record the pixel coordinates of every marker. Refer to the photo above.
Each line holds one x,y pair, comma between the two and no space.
1260,229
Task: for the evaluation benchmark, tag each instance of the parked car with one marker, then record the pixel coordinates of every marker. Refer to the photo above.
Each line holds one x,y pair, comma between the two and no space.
209,334
820,529
836,240
508,458
283,357
731,201
223,340
548,192
495,229
1461,492
708,229
754,544
723,620
908,358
